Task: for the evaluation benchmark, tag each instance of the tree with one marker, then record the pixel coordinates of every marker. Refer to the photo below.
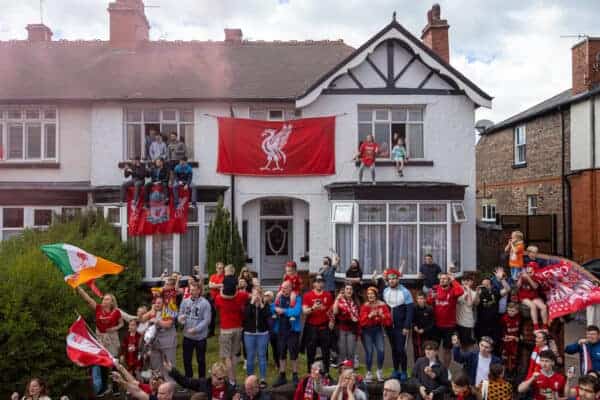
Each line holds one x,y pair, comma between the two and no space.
221,245
37,307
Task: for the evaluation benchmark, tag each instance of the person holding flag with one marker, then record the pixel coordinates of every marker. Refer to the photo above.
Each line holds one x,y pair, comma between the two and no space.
108,323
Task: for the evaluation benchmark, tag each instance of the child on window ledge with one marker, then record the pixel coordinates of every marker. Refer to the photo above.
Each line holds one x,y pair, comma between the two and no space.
399,155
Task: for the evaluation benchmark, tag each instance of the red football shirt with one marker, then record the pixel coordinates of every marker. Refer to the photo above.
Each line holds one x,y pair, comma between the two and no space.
218,393
217,279
544,387
444,304
368,152
321,316
105,320
130,350
296,282
231,311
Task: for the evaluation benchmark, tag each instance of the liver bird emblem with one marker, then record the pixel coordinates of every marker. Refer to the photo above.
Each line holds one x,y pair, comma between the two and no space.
272,145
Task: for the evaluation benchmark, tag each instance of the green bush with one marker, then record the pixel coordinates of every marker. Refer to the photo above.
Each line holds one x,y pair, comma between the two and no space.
37,307
221,245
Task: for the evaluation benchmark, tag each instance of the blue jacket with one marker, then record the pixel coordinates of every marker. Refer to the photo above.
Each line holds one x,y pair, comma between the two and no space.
295,311
469,360
593,351
402,315
183,173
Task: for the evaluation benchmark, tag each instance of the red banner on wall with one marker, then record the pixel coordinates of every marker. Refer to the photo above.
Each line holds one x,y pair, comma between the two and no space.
277,148
567,288
160,216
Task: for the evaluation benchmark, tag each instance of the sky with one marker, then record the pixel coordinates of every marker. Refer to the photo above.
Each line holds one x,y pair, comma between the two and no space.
512,49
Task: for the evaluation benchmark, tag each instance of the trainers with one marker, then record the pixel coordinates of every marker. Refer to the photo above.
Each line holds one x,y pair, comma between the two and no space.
380,376
402,376
280,381
295,379
263,384
369,376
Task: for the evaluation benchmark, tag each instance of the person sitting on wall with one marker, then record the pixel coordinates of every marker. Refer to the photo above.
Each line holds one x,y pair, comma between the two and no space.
367,152
159,175
183,178
137,172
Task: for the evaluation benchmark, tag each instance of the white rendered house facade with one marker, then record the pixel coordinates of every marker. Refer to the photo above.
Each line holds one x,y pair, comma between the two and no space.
66,158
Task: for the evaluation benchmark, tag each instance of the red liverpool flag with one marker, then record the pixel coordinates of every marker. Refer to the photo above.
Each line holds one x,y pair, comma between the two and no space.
277,148
83,349
161,216
567,286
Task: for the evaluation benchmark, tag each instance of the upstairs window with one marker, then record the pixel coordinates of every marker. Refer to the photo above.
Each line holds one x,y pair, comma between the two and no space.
28,134
275,114
141,123
532,204
488,212
387,124
520,145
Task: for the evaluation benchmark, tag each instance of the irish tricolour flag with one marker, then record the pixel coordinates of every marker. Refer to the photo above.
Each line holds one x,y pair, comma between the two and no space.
78,265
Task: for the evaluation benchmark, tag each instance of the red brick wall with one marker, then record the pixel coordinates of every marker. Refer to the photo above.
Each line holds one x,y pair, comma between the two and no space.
436,38
585,215
508,186
585,65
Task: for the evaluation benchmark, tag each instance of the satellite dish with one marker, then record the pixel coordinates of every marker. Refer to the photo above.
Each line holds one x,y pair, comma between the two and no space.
482,125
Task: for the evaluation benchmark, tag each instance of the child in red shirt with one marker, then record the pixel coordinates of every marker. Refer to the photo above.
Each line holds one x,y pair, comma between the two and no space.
131,347
511,327
367,152
291,275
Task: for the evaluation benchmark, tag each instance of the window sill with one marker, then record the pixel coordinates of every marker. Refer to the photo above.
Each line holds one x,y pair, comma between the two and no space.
121,164
29,165
517,166
409,163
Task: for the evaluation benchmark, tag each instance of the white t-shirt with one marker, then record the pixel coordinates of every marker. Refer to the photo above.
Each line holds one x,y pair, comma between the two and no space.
483,369
465,314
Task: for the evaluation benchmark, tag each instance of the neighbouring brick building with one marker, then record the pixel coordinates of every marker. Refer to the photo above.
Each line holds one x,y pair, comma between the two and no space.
542,162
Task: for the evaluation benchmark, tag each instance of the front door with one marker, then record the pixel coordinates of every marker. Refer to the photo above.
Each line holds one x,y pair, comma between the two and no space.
276,247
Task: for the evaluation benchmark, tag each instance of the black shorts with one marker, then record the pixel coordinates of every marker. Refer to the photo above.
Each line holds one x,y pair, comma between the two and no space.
444,336
288,343
465,335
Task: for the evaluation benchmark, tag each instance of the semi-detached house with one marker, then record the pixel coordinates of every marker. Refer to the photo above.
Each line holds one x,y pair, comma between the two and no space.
73,111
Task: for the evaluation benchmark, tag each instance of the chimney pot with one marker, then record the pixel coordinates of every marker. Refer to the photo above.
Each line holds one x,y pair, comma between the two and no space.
435,33
38,33
233,35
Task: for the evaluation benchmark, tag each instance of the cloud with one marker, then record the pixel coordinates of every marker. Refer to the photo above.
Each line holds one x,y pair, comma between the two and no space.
511,48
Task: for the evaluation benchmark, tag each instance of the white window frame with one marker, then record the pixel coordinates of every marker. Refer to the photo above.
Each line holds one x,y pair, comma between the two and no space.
287,113
390,120
24,122
419,256
28,217
179,122
458,212
281,110
520,145
343,213
488,212
531,207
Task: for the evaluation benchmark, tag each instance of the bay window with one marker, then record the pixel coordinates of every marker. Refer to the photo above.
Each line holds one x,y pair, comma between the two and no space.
388,234
28,134
388,124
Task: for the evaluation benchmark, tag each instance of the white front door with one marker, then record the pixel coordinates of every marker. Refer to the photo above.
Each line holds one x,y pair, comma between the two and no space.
276,247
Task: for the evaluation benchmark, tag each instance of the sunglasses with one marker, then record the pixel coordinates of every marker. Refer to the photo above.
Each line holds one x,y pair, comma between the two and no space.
218,378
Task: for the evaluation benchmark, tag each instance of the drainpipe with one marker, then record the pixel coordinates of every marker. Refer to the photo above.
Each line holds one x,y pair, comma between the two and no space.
562,182
593,168
232,187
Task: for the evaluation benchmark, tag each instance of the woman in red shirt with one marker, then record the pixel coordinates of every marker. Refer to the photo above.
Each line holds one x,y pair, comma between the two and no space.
374,316
108,323
529,295
346,313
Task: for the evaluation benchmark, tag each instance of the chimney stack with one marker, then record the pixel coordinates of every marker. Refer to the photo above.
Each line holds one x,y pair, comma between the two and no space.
585,65
233,35
38,33
435,33
128,23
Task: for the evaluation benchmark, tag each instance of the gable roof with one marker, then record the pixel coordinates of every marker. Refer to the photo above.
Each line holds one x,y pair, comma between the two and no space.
163,70
426,54
546,106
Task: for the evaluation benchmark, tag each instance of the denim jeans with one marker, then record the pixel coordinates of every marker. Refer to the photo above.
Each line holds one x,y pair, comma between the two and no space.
191,193
256,345
362,167
346,345
97,383
189,346
373,341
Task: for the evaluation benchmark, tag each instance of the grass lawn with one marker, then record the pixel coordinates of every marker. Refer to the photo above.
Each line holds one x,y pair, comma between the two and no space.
212,356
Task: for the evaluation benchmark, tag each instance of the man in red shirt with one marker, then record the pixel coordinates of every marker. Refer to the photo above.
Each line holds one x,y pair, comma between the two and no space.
546,383
231,313
316,305
366,154
215,283
443,298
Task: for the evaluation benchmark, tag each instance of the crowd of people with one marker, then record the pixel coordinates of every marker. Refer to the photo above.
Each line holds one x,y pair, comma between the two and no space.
483,324
167,170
